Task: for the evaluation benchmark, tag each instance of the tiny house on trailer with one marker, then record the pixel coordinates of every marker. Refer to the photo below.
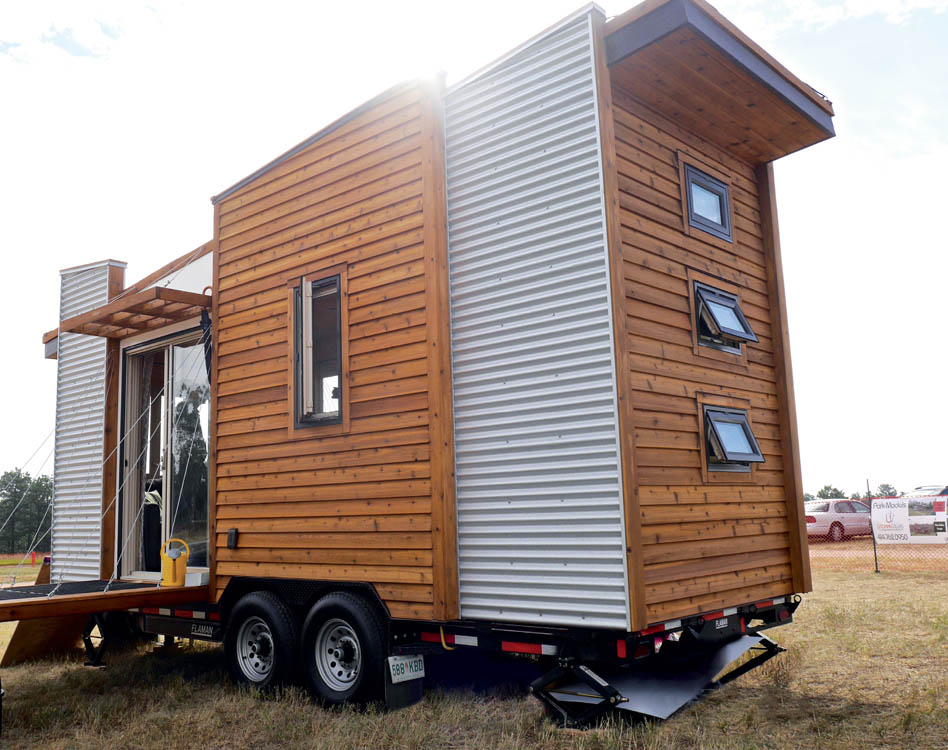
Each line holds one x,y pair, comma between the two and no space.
503,366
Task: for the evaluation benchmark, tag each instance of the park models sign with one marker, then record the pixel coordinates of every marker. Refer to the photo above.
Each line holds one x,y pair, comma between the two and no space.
912,519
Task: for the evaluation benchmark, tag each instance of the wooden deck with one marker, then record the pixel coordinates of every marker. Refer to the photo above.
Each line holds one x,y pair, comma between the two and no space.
89,597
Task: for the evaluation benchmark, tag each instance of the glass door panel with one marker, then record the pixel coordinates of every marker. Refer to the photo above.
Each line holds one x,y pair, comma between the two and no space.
144,452
186,504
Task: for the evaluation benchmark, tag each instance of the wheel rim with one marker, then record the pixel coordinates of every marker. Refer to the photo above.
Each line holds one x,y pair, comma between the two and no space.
836,534
338,655
255,649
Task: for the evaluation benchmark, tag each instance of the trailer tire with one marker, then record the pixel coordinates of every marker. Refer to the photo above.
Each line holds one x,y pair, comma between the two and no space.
261,641
343,650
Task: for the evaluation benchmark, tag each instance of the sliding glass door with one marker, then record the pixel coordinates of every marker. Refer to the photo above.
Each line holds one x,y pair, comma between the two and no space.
188,462
165,454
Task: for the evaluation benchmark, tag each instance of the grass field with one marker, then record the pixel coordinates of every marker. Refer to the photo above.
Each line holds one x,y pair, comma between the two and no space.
865,668
856,554
25,573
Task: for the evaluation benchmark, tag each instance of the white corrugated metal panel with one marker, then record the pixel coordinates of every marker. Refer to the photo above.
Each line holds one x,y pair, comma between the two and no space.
539,486
80,417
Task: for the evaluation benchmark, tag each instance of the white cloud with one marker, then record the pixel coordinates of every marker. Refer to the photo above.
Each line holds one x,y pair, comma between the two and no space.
45,31
764,20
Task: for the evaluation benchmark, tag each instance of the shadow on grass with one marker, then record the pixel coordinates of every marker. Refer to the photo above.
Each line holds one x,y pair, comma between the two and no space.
482,673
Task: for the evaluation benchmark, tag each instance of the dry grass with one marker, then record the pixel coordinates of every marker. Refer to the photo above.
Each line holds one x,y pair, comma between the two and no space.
866,668
856,555
25,573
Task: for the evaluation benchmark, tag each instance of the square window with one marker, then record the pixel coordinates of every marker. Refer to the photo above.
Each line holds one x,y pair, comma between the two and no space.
731,445
706,204
709,206
318,351
720,321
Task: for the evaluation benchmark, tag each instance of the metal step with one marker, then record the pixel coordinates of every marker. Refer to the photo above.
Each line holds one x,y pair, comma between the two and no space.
658,686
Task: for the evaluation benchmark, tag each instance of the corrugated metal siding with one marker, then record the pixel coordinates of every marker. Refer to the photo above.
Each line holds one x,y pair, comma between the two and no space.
80,415
540,510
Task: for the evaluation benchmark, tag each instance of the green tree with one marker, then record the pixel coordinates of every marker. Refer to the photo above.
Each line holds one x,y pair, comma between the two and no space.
807,497
829,491
24,502
886,490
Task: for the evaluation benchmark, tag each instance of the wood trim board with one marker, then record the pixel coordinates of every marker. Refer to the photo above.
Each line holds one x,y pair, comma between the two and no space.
789,436
438,343
212,422
116,281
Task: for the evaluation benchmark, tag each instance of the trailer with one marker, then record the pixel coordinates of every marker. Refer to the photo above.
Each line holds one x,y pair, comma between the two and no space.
499,366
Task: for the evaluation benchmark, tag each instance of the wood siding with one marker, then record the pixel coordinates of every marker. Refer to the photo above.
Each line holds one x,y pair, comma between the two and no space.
359,504
705,544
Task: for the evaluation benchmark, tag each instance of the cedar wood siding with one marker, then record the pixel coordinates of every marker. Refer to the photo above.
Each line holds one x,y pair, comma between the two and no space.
356,504
705,545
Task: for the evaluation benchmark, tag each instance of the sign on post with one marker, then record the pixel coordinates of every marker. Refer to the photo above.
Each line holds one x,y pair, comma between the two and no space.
910,520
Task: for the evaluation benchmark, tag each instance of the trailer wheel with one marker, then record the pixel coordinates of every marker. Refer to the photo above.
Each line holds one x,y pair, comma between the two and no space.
344,650
836,533
261,641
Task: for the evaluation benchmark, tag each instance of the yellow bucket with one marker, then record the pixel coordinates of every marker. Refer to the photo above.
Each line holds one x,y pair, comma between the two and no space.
174,567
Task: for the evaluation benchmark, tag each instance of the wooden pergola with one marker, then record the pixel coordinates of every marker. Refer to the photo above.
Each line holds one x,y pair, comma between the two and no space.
137,313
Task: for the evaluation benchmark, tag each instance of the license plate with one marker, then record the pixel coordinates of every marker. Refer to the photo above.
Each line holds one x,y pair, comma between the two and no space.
403,668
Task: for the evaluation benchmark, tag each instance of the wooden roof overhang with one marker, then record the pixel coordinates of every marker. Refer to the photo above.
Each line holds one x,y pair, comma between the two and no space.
137,313
50,337
686,61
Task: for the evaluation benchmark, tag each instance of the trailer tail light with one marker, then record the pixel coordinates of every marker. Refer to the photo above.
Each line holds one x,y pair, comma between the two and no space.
662,627
621,650
450,639
811,519
784,614
538,649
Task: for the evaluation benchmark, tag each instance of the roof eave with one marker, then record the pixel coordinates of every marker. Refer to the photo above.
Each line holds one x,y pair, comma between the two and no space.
651,21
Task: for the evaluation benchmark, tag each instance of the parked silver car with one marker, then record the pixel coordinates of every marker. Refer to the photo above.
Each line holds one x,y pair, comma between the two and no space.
929,489
837,519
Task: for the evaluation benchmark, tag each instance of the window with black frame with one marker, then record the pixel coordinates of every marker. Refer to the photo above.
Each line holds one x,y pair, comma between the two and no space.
318,351
731,445
720,320
709,207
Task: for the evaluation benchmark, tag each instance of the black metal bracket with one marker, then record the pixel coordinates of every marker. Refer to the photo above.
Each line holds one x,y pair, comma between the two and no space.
94,651
544,686
763,652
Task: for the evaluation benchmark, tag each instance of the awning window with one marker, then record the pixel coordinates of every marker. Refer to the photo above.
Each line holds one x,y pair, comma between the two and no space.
731,442
720,318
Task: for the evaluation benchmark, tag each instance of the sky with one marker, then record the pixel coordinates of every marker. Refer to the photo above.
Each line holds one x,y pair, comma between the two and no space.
119,120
